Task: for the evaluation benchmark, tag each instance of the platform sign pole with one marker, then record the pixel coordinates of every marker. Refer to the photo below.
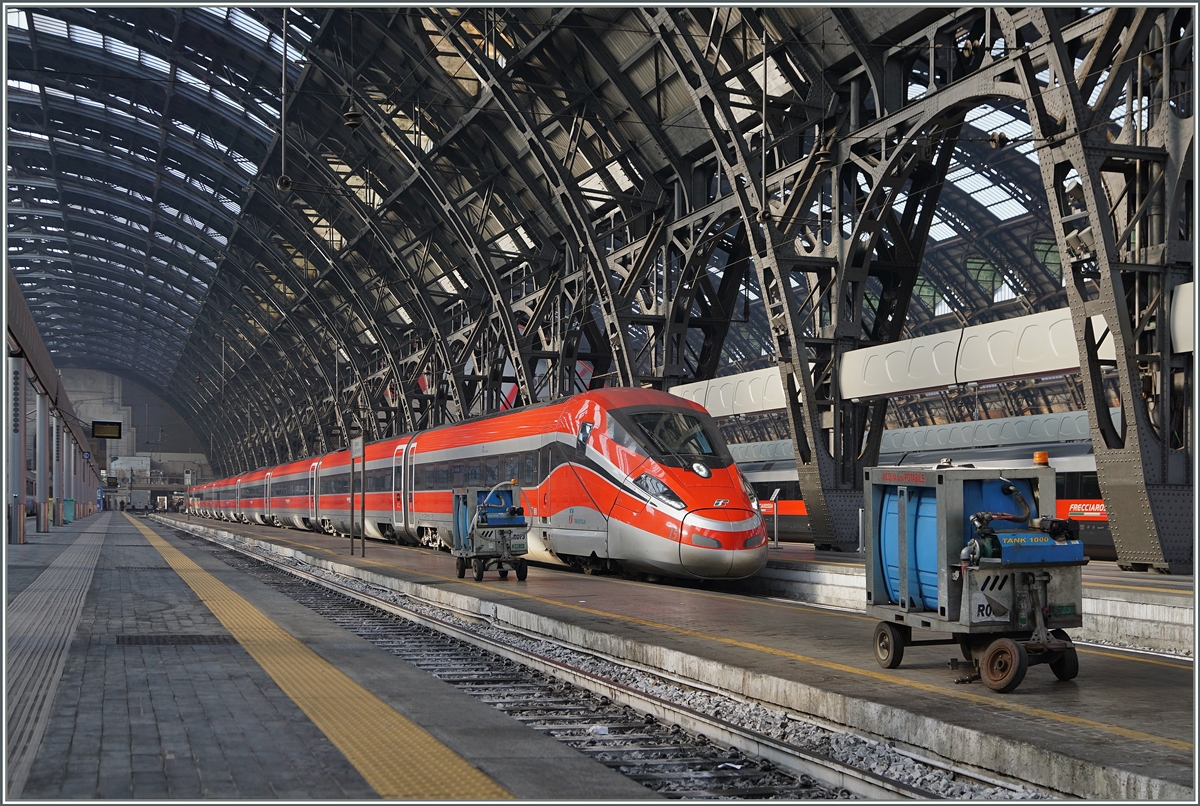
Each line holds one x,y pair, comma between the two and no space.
775,509
356,451
362,497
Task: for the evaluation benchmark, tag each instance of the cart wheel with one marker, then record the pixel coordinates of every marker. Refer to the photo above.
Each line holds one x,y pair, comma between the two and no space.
504,573
889,645
1066,665
1004,665
522,570
477,566
460,567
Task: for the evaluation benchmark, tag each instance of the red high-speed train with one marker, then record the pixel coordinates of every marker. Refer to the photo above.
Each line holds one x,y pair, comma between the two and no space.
629,480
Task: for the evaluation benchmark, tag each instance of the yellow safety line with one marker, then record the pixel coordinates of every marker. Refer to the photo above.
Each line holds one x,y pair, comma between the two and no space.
1009,704
396,757
1176,591
1122,656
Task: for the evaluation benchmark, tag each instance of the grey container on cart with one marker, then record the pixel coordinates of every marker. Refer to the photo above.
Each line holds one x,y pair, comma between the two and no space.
968,554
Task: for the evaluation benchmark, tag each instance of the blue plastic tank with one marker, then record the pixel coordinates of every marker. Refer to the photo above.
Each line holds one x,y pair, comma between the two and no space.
922,545
979,495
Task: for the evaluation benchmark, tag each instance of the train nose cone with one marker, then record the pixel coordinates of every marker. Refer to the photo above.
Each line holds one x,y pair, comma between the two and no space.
712,543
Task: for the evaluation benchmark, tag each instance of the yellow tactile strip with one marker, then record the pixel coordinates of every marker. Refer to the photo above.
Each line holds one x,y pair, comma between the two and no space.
396,757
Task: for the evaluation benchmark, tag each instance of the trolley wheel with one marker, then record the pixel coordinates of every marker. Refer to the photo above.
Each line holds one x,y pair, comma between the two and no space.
889,644
522,570
504,573
477,566
1066,665
1004,665
460,567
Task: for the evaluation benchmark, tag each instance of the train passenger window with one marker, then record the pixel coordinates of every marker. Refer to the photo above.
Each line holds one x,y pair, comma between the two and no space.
430,475
512,467
378,480
335,483
443,475
472,473
456,474
1089,485
491,470
529,477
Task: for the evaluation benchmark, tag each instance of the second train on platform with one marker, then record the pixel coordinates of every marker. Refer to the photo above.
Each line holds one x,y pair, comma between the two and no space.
628,480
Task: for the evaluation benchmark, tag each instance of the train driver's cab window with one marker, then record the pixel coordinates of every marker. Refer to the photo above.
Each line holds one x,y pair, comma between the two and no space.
673,437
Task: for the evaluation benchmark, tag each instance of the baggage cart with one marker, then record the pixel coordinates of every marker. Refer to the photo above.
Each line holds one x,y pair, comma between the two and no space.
489,531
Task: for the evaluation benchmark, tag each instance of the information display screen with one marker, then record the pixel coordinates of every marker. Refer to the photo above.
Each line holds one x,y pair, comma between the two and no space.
106,430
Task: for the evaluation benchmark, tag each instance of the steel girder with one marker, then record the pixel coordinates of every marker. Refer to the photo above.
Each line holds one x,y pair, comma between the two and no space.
528,182
1120,202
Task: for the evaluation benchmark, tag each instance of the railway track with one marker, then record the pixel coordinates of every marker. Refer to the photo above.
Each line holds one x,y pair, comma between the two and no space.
673,749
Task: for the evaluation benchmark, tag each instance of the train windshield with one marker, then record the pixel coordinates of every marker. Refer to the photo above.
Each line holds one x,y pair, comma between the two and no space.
672,437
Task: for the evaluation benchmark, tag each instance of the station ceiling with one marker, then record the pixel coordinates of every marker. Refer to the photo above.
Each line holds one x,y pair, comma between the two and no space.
443,167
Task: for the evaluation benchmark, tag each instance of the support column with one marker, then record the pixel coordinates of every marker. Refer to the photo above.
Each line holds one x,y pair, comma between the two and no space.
16,449
57,464
41,462
69,451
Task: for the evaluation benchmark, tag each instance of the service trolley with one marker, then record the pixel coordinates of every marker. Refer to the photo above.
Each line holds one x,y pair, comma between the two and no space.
490,530
964,553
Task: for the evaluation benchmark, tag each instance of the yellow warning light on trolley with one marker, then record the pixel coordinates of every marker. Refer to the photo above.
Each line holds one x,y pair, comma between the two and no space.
1041,459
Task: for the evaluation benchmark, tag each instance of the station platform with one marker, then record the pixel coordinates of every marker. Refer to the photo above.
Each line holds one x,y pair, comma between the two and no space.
141,667
1124,729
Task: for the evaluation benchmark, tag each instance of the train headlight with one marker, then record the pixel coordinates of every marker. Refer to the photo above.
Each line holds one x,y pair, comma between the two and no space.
701,470
659,490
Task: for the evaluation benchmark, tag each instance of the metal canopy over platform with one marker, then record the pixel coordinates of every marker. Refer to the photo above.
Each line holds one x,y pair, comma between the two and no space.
485,207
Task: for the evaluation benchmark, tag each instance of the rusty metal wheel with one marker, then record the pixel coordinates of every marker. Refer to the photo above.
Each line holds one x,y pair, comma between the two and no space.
1004,665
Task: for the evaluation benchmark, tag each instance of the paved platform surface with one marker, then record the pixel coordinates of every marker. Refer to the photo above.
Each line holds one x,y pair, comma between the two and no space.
1124,728
96,715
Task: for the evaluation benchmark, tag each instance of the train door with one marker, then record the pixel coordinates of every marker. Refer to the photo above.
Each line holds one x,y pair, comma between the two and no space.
237,501
578,529
267,498
314,497
546,467
399,521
